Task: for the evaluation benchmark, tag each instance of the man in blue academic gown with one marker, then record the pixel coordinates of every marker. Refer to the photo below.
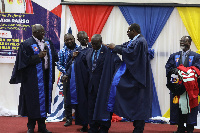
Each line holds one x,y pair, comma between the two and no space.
133,87
78,81
35,70
102,64
187,58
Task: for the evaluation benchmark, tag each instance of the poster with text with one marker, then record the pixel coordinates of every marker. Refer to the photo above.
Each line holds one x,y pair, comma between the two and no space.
17,18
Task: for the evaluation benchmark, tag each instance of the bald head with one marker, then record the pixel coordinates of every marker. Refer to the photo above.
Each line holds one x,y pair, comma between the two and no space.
97,37
96,41
37,27
81,33
187,38
38,31
83,38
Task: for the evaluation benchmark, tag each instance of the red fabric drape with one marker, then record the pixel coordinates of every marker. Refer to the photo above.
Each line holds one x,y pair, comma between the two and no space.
90,18
29,7
57,10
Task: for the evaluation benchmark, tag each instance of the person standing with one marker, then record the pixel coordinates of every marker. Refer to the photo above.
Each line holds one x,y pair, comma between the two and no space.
78,81
63,66
178,115
133,87
35,70
102,64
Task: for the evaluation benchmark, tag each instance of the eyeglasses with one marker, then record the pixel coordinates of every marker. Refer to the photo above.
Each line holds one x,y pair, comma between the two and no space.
82,39
128,31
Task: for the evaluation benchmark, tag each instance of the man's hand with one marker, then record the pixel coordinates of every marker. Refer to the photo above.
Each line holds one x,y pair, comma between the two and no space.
64,78
42,54
75,54
111,45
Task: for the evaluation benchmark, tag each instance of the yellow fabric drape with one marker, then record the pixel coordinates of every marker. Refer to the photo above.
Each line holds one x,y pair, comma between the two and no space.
191,19
167,114
199,99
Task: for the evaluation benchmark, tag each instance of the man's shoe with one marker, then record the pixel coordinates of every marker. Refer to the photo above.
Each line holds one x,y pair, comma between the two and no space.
44,131
30,131
103,130
84,129
68,123
136,131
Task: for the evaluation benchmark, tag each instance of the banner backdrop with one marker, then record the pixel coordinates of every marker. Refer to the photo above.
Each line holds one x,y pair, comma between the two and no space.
134,1
16,21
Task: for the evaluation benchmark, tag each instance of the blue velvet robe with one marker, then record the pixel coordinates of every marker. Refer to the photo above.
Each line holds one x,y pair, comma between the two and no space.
134,89
174,61
81,86
99,82
35,93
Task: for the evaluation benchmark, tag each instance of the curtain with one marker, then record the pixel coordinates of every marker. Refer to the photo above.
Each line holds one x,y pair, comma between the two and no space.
191,17
114,31
57,10
151,20
29,7
90,18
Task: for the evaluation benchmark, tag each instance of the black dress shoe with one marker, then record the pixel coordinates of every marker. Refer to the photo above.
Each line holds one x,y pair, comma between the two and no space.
103,130
84,129
136,131
30,131
44,131
68,123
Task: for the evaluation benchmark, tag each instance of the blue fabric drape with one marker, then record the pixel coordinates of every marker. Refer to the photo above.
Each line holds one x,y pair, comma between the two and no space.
151,21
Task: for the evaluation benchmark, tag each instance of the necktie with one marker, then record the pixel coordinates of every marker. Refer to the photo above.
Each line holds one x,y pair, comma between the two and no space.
183,57
94,61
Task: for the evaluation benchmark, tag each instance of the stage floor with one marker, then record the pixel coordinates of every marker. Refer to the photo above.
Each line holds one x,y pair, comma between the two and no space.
18,125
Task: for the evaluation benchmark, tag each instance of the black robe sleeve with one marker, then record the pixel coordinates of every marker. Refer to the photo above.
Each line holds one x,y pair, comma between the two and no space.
23,59
136,59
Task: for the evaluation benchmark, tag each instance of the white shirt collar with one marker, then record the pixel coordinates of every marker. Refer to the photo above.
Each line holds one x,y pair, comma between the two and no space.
83,47
37,40
135,37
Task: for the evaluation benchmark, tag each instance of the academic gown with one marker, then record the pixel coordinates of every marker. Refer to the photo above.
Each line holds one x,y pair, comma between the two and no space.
99,82
81,86
35,93
111,64
193,59
132,97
